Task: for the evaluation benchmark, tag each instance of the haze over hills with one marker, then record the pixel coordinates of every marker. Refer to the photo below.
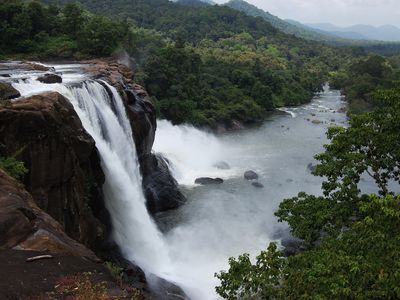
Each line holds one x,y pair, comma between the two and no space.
361,31
320,31
287,27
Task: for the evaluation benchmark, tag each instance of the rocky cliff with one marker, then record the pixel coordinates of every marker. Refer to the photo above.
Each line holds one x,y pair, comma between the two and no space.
160,188
65,176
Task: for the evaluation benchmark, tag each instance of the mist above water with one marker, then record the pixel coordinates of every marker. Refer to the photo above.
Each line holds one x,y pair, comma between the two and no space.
235,218
218,221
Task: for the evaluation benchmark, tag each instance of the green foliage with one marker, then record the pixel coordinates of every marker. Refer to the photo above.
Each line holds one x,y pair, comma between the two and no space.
30,28
362,76
13,167
353,239
247,281
209,65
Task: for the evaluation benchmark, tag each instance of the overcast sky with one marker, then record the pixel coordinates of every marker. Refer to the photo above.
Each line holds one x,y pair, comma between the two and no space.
338,12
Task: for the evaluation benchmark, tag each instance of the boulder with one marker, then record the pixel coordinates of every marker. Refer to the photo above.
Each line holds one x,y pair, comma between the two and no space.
65,177
250,175
50,78
164,290
160,187
208,181
311,167
7,92
24,226
222,165
257,185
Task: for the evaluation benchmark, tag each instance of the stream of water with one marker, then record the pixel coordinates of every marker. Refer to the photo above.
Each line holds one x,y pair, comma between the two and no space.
218,221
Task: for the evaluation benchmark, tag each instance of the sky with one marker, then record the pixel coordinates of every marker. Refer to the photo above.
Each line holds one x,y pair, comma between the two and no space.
337,12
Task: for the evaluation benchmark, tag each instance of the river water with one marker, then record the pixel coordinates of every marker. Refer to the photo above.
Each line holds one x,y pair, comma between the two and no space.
233,218
218,221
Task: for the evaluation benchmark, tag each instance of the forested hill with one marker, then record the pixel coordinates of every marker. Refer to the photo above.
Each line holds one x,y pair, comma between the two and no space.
214,65
283,25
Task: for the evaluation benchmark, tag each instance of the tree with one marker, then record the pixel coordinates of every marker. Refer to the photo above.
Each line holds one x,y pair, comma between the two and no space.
357,255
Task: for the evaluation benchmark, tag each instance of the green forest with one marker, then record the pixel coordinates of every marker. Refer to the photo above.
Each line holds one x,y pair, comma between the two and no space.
213,65
205,66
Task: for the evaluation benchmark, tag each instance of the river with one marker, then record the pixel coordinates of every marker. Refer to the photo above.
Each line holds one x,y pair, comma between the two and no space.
192,243
220,221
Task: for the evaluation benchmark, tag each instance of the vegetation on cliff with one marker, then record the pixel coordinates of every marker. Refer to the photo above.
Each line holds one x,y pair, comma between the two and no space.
361,77
208,65
352,238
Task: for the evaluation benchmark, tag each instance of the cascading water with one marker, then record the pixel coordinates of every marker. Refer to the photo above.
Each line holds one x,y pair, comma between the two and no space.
104,118
218,221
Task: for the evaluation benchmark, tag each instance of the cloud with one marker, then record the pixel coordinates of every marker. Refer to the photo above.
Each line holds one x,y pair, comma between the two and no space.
339,12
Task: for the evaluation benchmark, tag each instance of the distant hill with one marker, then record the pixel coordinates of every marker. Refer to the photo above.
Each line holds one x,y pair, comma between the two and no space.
195,3
361,31
290,27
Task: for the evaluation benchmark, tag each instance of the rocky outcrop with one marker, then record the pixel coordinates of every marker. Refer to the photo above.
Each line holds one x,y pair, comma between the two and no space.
257,185
7,92
24,226
160,188
65,176
208,181
50,78
250,175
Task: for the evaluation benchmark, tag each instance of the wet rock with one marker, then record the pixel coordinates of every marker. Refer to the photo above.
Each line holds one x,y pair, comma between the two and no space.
250,175
222,165
316,122
311,167
208,181
7,92
50,78
160,187
65,177
24,226
257,185
162,289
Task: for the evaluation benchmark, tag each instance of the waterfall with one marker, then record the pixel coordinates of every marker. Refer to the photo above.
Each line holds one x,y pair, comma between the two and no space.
104,117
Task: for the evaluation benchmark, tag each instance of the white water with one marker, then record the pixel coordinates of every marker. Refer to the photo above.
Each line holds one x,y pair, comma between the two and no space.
193,153
105,119
218,221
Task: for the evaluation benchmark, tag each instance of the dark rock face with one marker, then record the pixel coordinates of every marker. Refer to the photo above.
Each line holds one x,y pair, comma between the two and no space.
50,78
65,177
162,289
7,92
257,185
250,175
24,226
160,187
311,167
208,181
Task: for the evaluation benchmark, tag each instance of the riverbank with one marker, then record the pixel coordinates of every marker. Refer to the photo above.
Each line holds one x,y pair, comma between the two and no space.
232,218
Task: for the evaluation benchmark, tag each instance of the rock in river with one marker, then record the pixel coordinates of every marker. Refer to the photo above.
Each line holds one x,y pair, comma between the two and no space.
50,78
257,185
208,181
222,165
250,175
7,92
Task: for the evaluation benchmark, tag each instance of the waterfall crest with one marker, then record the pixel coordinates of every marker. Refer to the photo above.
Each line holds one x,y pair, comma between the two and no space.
102,113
